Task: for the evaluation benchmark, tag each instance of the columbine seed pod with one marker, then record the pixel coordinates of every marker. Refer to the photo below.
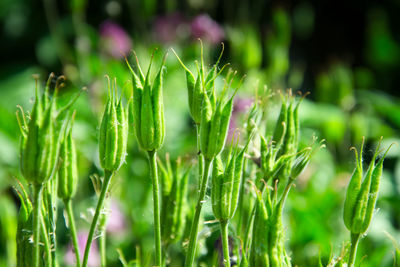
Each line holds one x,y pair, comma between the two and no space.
215,123
267,247
174,188
40,136
148,107
113,132
68,172
259,254
201,85
226,183
361,197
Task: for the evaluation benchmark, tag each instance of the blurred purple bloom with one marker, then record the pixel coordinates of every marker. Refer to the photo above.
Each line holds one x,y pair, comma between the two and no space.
240,106
116,221
206,28
114,39
170,27
94,256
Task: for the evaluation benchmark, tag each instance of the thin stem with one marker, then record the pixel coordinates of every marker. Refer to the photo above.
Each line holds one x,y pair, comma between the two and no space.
241,196
106,184
248,229
285,193
353,249
225,242
36,223
101,228
45,240
156,206
195,224
200,157
51,209
72,229
103,249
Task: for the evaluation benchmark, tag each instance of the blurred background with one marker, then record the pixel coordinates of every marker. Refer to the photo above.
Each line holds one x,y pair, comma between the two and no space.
345,53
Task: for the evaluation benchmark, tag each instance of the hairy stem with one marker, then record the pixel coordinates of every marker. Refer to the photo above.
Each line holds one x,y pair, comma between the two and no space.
195,224
72,229
225,242
156,206
36,223
353,249
106,184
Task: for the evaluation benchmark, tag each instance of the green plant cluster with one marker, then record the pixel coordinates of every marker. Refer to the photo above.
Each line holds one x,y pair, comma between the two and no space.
250,179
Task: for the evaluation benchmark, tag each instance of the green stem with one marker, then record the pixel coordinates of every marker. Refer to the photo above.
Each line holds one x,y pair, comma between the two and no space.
103,249
285,194
250,222
241,196
106,184
51,216
72,229
36,223
45,240
195,224
225,242
200,158
353,249
101,228
156,205
248,229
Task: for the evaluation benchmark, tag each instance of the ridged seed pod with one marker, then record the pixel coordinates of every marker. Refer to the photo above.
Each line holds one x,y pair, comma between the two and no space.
68,172
113,133
200,86
214,126
362,194
226,183
148,108
174,191
39,144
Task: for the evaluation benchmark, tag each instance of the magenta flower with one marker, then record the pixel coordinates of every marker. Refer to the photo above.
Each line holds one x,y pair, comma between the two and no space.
114,40
94,256
116,221
240,106
170,27
207,29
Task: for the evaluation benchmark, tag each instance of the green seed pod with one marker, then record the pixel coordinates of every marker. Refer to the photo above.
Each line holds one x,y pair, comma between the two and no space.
303,157
199,86
259,254
174,191
39,147
226,183
68,172
352,190
113,133
280,130
214,127
361,197
148,109
267,247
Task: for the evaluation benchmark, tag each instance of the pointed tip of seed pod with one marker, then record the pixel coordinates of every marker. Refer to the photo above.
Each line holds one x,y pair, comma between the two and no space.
220,54
108,83
164,58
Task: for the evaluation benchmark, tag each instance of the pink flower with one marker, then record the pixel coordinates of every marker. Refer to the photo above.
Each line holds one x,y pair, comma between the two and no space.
170,27
240,106
207,29
94,256
114,40
116,222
